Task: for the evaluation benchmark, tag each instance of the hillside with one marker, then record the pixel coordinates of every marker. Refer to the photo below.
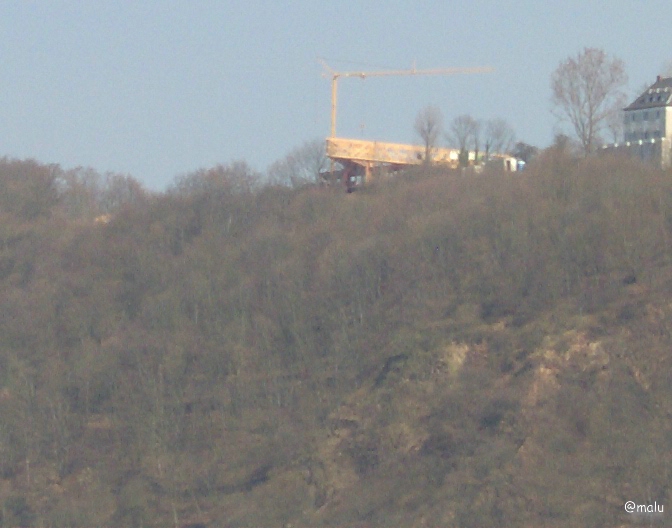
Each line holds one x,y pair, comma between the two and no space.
437,350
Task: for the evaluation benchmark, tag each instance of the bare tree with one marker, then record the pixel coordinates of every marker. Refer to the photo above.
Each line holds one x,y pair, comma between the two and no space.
236,177
302,165
499,137
120,190
587,89
462,135
524,151
429,126
614,120
477,134
80,191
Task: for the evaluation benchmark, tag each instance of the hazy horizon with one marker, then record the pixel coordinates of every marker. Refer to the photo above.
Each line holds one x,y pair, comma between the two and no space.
157,88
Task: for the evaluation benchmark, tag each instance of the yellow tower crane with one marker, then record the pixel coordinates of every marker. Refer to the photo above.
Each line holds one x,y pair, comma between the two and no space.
369,153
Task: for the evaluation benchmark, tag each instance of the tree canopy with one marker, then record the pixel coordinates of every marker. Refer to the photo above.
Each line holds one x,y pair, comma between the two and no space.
586,90
486,351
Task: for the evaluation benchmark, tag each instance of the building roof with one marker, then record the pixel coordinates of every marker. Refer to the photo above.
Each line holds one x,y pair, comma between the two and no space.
657,95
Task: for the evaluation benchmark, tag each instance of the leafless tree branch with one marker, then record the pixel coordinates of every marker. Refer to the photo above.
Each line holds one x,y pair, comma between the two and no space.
587,90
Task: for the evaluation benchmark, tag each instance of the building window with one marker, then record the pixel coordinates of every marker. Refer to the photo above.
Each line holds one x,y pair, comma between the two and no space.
645,117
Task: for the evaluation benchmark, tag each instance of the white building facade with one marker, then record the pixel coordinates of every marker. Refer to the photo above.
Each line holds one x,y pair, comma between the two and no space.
647,124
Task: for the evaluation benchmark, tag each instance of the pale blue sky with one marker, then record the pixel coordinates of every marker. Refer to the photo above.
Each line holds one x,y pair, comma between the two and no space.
157,88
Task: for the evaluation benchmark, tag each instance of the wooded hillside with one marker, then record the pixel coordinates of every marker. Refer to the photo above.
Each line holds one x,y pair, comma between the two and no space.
440,349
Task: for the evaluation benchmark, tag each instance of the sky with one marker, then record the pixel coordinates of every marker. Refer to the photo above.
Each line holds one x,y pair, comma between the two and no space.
160,88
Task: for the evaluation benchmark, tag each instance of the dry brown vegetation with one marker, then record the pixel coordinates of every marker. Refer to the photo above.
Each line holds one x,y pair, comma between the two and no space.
440,349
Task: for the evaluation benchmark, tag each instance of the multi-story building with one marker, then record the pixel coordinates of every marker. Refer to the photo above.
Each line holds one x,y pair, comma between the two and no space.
647,124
